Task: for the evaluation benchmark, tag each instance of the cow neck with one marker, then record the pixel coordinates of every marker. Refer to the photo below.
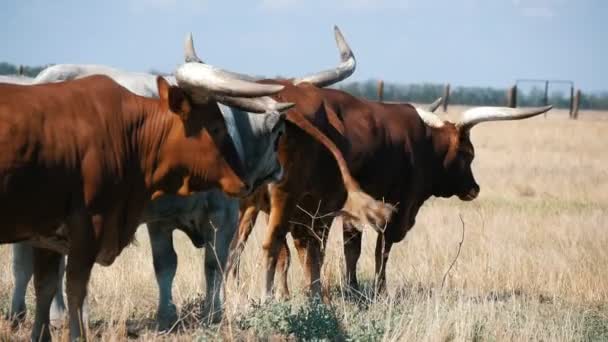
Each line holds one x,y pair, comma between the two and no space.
425,164
150,125
239,129
432,162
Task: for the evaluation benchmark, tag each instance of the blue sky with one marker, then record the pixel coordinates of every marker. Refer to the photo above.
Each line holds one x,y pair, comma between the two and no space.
465,42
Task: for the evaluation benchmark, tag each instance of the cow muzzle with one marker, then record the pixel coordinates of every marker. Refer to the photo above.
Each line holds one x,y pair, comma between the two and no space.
471,195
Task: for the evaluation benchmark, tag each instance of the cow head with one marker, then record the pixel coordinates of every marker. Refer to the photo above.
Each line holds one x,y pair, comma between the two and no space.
200,141
453,151
255,136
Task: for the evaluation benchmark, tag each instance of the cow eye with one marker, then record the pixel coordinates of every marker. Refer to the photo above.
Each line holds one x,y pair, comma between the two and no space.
214,130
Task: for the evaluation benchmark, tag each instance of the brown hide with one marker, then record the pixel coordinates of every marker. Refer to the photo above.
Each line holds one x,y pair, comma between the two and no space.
388,149
323,151
314,183
90,146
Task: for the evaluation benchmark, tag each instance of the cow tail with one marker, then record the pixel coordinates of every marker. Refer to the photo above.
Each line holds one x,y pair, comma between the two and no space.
359,206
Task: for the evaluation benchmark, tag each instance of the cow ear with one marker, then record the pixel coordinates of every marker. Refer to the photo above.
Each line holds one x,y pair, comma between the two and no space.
179,102
174,98
163,89
445,143
452,151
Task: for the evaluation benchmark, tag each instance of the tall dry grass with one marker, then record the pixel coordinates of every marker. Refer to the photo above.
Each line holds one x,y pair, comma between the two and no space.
533,265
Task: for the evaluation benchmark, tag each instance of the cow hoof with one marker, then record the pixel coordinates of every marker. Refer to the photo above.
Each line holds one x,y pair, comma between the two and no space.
213,317
167,318
16,319
211,314
43,337
355,295
380,291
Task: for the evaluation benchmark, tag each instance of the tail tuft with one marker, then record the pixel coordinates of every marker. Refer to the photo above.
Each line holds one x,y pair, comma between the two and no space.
362,209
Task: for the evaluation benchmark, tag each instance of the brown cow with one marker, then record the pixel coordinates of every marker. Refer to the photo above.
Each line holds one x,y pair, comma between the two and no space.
91,154
310,117
312,181
398,153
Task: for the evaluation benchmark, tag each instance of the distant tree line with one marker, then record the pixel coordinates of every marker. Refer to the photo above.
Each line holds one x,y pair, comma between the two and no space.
473,96
425,92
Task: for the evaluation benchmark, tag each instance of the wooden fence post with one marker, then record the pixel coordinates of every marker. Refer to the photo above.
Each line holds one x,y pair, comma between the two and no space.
380,90
576,104
446,97
571,113
512,97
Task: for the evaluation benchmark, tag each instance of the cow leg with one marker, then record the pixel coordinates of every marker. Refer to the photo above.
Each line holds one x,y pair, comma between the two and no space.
215,260
309,251
383,249
246,223
352,251
58,309
164,259
224,225
278,227
23,269
46,264
81,258
58,305
282,270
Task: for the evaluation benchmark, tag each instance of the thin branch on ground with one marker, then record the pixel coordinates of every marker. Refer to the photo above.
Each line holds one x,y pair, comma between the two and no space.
311,228
457,253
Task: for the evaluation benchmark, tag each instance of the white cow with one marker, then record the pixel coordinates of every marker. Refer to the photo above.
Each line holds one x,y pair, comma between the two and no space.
139,83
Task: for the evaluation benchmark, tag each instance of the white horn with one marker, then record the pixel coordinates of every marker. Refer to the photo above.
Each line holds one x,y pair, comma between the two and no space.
430,119
190,55
203,81
477,115
342,71
433,106
262,104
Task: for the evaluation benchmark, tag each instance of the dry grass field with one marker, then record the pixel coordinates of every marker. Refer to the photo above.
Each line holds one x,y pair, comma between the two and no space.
533,265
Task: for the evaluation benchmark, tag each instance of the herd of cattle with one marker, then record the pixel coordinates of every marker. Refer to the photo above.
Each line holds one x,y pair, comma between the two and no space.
88,153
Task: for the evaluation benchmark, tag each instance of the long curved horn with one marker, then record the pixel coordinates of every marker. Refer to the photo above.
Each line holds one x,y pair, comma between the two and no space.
263,104
477,115
203,81
433,106
190,56
342,71
430,119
